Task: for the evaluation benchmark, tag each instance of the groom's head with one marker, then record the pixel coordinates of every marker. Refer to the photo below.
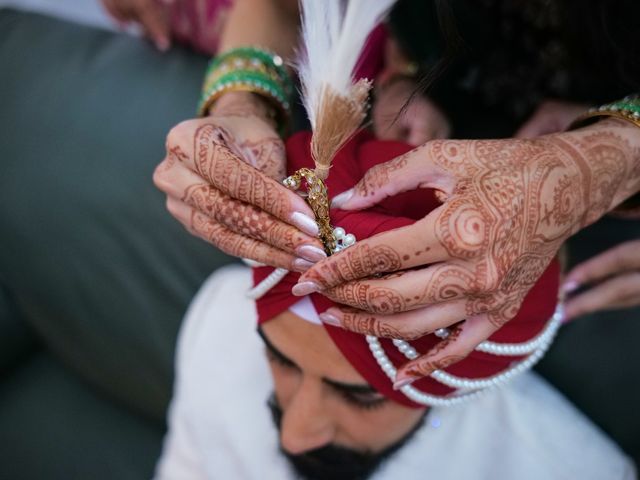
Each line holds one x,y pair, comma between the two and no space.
332,423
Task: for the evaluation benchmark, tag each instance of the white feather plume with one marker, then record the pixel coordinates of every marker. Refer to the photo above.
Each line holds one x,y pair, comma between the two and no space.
334,33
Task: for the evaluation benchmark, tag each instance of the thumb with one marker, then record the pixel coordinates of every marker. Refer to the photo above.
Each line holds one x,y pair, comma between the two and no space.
407,172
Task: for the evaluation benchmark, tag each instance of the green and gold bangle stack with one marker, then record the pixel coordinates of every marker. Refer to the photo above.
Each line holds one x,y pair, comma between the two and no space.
628,109
248,69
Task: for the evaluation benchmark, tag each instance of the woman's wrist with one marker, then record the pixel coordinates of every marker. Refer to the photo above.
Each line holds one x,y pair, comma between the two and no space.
607,164
252,70
628,136
244,104
628,203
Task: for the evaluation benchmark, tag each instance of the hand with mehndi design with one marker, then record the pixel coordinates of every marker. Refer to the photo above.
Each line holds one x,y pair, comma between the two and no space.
222,178
508,205
613,278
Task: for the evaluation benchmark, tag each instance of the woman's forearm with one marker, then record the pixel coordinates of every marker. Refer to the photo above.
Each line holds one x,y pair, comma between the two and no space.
267,24
271,24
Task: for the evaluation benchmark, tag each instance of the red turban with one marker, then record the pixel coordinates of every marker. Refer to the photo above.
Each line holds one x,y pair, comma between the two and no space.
353,160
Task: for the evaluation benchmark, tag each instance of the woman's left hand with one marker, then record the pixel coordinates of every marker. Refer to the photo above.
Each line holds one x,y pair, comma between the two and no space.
509,205
613,278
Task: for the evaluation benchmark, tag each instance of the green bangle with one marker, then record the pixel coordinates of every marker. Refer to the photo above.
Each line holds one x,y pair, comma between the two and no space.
258,57
248,78
249,69
629,105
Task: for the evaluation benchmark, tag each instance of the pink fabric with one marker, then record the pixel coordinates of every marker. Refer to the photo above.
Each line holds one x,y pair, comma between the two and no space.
199,23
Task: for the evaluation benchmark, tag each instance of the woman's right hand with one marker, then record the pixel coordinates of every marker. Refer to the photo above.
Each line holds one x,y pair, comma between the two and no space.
613,278
222,178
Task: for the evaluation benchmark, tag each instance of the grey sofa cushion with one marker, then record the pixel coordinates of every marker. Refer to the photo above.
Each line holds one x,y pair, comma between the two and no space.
96,265
54,427
17,342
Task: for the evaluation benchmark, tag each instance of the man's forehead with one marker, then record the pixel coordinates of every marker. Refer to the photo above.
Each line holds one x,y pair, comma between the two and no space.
310,347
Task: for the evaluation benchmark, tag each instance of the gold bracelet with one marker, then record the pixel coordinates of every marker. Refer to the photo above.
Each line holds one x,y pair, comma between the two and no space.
627,109
281,109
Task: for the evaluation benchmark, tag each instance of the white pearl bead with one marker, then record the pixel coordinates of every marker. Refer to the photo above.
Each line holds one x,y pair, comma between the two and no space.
339,233
349,239
471,388
442,333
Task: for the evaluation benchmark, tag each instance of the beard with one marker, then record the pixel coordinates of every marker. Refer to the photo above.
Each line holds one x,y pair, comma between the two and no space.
335,462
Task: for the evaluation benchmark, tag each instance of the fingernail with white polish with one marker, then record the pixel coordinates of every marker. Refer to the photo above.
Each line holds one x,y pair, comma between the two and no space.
311,253
305,288
302,265
330,319
341,199
398,384
570,286
307,224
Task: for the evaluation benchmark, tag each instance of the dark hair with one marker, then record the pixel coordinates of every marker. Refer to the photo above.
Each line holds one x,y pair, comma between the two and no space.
602,35
513,53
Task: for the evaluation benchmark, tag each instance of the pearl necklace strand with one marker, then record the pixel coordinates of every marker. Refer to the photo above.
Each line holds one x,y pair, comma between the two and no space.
471,387
267,284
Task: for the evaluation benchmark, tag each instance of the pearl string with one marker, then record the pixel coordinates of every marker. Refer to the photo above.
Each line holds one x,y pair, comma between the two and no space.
508,349
517,349
473,386
267,284
410,391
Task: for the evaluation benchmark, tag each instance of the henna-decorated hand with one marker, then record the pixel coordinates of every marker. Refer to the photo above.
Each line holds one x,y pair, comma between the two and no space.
613,278
222,179
508,207
420,121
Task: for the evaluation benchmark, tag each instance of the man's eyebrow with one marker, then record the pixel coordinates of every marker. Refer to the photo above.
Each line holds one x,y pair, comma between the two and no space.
354,388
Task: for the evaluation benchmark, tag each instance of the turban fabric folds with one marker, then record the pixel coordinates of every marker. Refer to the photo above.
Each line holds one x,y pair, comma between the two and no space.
350,164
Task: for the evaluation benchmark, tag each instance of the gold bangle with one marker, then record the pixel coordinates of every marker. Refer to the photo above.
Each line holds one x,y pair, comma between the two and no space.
593,115
242,87
234,64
